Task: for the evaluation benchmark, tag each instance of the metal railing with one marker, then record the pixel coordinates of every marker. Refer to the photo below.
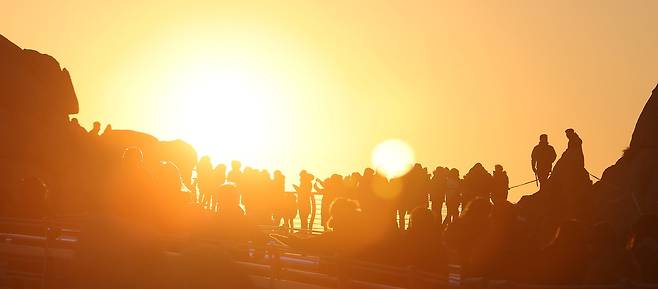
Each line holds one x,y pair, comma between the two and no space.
43,260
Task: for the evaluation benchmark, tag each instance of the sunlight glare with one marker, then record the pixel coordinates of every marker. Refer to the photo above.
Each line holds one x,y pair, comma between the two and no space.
392,158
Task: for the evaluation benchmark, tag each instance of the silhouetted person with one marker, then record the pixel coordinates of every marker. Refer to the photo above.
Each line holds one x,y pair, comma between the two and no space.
501,185
345,236
134,189
205,184
415,189
77,127
31,200
120,247
235,174
423,244
542,158
464,234
453,196
107,130
439,186
569,173
96,129
477,183
330,190
304,196
285,203
229,202
218,180
172,203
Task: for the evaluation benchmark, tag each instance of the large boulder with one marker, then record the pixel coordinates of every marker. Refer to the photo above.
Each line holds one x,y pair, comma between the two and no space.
627,189
182,154
645,134
36,99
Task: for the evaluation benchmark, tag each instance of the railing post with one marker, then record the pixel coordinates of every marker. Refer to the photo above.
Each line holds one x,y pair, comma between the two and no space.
275,265
343,273
46,252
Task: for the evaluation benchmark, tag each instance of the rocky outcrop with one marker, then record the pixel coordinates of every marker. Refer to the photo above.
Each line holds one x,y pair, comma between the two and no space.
36,99
177,151
34,82
38,140
627,189
645,133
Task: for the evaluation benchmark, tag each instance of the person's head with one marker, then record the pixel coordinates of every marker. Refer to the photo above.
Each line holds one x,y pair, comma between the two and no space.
454,173
421,219
220,168
169,177
132,157
204,161
569,132
97,125
342,213
75,121
498,168
278,174
235,165
306,176
108,129
543,138
368,172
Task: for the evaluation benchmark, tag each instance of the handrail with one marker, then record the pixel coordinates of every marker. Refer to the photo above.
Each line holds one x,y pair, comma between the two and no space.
274,264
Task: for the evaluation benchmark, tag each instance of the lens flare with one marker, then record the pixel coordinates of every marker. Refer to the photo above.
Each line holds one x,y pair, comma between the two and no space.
392,158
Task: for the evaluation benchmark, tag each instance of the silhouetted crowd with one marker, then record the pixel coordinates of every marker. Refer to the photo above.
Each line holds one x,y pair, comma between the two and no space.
364,216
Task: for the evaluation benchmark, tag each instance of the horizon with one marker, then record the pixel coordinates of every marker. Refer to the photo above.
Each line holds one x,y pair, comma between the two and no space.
318,86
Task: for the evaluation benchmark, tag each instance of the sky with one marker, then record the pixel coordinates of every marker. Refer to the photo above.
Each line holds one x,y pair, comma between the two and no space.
318,84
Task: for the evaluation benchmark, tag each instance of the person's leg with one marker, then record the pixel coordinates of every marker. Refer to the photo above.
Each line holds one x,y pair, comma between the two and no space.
402,213
436,209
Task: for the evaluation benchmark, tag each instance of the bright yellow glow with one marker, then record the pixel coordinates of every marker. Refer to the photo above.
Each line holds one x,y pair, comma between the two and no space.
226,108
392,158
452,76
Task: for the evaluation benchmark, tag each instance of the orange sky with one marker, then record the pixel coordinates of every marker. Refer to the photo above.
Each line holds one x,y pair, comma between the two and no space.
317,84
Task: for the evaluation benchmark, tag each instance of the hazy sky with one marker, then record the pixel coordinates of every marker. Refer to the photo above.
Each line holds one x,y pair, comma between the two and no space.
317,84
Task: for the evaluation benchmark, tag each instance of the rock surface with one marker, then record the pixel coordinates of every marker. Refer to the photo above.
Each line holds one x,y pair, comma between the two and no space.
37,99
626,190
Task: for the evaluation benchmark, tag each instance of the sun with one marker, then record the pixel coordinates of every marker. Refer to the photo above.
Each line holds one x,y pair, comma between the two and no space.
226,108
392,158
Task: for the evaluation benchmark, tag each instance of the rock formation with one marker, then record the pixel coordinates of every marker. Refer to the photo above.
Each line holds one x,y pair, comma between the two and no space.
36,101
626,190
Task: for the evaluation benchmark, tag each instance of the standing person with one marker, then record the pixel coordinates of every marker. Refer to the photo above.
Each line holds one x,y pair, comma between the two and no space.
453,196
501,185
304,195
478,183
542,158
235,175
438,191
204,173
219,178
329,189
